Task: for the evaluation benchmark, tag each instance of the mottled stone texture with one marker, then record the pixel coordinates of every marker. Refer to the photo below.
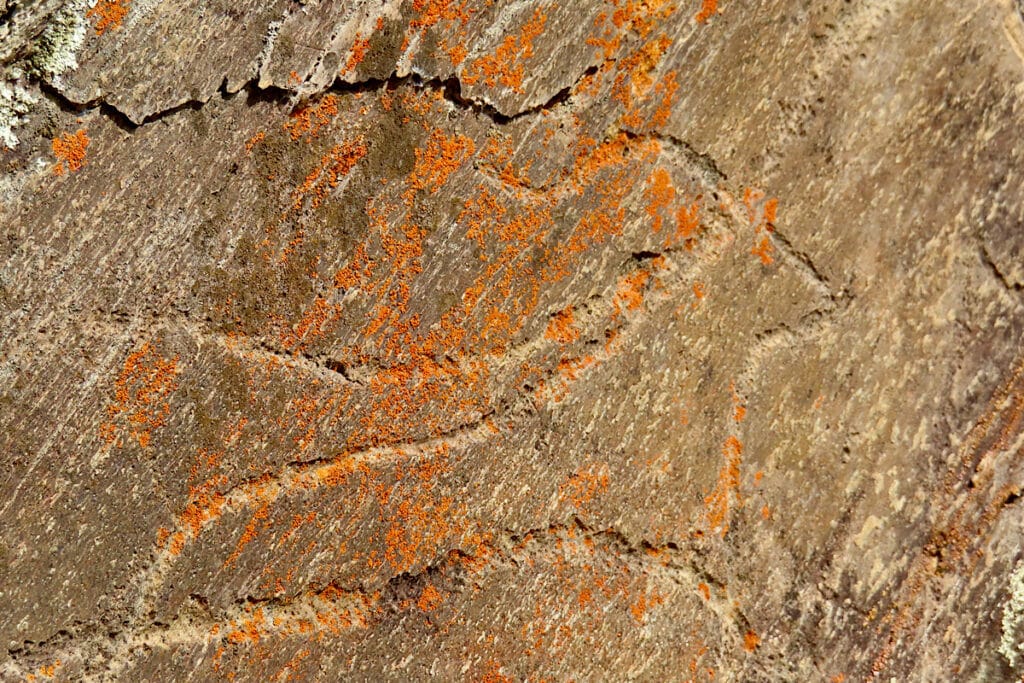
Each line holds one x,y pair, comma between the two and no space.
660,340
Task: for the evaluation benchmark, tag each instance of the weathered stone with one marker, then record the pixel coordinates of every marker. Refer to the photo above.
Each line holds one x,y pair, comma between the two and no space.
616,340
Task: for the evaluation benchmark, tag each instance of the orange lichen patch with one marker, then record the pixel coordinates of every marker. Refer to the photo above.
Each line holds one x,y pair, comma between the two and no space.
505,66
481,215
739,409
561,328
637,16
419,521
705,590
634,79
699,291
456,53
664,94
660,194
763,249
838,678
718,502
334,166
47,670
766,512
356,54
493,674
430,599
432,11
687,223
255,140
644,604
630,291
108,14
441,157
496,161
585,485
70,149
310,120
289,672
567,372
312,325
707,10
205,505
750,641
764,224
141,395
330,611
259,518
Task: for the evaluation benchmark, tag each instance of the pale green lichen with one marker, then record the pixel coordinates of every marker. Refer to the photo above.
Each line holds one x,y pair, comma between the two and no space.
1012,644
54,52
51,54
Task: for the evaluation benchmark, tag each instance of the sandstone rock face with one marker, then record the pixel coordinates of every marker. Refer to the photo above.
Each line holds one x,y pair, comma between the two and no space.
517,340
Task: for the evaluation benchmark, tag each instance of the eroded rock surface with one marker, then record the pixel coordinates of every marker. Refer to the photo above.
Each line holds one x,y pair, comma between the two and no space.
605,340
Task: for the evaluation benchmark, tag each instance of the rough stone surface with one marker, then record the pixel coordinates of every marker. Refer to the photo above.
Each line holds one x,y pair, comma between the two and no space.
514,340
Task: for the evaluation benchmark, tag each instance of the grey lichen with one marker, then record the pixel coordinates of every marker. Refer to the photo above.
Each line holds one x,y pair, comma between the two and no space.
15,103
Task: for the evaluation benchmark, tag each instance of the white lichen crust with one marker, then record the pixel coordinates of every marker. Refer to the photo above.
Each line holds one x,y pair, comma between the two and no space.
1012,644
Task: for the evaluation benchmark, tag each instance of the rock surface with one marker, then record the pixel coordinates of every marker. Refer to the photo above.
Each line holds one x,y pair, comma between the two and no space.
516,340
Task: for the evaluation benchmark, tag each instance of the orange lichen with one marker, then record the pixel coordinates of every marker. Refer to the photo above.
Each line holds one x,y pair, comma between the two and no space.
70,149
644,604
739,410
763,225
493,674
763,249
432,11
49,670
456,53
660,195
718,502
430,599
705,590
312,325
249,533
205,505
255,140
750,641
310,120
687,222
334,166
634,79
108,14
561,328
357,53
505,66
585,485
630,291
441,157
141,396
707,10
